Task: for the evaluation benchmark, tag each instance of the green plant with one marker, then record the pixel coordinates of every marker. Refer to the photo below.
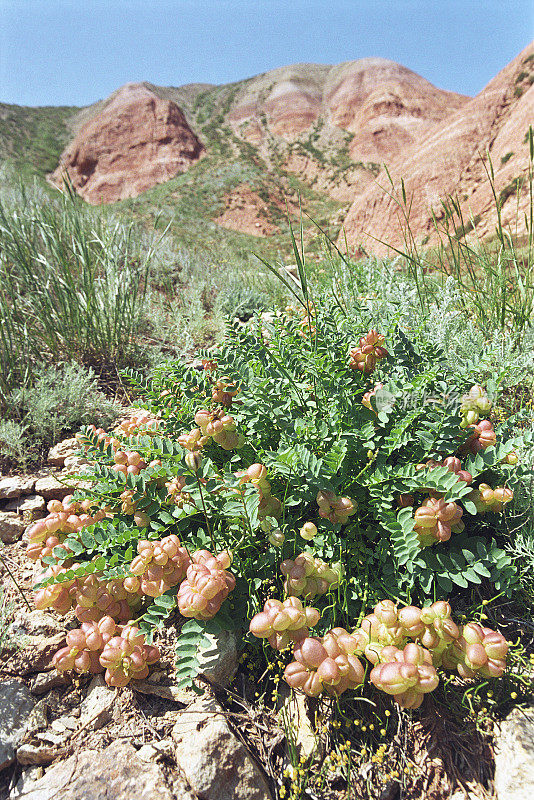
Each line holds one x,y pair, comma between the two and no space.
72,286
202,520
60,400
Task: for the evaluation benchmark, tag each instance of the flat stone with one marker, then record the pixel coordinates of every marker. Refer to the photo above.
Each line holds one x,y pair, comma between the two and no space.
514,756
155,750
219,662
11,527
16,704
36,623
165,691
30,507
96,708
46,681
115,773
62,450
38,653
214,761
16,486
75,463
38,754
51,489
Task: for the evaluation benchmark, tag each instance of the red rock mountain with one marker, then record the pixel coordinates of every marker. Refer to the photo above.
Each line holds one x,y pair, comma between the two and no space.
448,160
383,103
334,127
135,141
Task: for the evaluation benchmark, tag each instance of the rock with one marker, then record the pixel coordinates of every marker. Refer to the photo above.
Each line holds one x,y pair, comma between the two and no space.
16,703
115,773
446,161
135,141
11,527
30,507
38,653
16,486
46,681
155,750
29,776
219,662
295,710
50,488
62,450
37,718
38,754
514,756
165,691
75,463
215,763
36,623
96,708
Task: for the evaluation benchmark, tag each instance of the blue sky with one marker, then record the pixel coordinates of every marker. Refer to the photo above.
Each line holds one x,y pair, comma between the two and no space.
74,52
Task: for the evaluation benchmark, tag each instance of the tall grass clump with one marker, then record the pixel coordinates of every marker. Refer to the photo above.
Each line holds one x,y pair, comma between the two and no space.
72,285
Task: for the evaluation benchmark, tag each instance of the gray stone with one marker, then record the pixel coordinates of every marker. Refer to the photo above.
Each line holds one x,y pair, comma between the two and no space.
16,703
51,489
30,754
62,450
36,623
29,776
16,486
214,761
219,662
37,718
115,773
155,750
75,463
514,756
96,708
45,681
11,527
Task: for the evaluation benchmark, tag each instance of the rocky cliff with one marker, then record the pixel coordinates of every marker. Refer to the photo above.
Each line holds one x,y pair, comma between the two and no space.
135,141
452,160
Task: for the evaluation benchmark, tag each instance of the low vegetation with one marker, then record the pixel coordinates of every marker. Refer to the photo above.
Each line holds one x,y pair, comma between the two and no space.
343,478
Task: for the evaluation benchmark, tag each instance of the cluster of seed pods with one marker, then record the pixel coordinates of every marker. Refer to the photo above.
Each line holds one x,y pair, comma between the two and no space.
483,436
474,403
63,518
224,391
94,598
140,422
219,426
158,566
269,506
405,647
282,623
453,464
175,491
91,597
325,664
370,350
477,650
336,510
487,499
407,674
436,519
307,576
206,586
120,650
128,462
